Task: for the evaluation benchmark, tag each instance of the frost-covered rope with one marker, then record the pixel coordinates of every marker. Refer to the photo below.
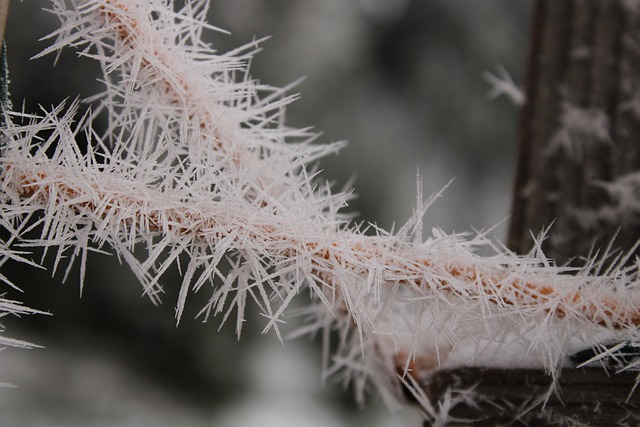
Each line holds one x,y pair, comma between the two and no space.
198,161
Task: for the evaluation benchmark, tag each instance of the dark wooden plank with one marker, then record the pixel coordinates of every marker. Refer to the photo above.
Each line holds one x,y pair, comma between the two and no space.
529,397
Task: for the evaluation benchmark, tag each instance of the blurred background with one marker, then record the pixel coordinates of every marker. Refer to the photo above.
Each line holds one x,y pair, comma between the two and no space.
401,80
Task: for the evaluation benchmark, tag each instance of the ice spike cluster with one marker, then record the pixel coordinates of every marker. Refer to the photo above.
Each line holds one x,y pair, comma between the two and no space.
199,167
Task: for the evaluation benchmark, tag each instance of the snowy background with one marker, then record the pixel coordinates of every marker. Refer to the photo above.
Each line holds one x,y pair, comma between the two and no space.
402,81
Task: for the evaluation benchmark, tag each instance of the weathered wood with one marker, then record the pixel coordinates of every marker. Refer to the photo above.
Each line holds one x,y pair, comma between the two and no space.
579,128
579,132
4,12
581,397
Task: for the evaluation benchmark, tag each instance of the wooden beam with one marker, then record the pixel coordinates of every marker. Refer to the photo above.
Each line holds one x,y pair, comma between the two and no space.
4,13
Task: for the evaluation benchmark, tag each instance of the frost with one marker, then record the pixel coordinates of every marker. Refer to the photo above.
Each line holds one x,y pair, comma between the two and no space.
631,6
624,192
10,307
198,169
502,85
581,52
622,208
579,127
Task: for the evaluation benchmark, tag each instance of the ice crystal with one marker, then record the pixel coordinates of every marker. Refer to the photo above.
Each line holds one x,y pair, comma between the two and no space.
502,84
579,127
10,307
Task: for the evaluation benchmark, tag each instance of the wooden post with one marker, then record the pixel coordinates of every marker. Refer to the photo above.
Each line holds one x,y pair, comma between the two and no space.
579,129
4,12
579,134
